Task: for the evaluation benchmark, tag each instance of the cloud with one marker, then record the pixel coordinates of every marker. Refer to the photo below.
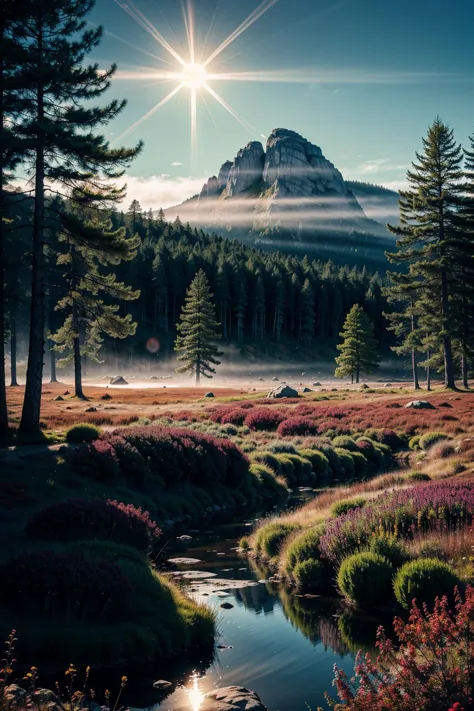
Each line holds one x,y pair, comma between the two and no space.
176,163
395,184
161,190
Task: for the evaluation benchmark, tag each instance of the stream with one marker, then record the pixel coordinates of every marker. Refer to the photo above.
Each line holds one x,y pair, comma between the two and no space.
281,645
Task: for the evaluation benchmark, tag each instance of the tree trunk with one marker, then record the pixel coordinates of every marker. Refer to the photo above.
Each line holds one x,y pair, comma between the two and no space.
428,373
198,373
465,371
357,374
30,417
77,369
14,381
447,346
52,363
414,365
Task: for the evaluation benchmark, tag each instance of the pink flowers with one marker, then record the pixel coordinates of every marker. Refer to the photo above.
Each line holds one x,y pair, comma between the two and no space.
295,426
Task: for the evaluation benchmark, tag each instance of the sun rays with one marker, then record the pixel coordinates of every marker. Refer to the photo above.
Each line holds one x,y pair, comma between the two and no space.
190,74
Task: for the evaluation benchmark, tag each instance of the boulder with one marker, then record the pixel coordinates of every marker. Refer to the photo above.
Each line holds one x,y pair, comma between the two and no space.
232,698
227,606
282,391
316,384
91,409
118,380
58,398
275,379
209,395
444,404
106,397
420,405
307,390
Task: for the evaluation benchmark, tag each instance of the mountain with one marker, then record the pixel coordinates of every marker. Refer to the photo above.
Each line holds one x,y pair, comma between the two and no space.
288,196
378,203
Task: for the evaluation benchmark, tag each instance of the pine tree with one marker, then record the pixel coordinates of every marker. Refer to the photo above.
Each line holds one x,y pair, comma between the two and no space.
307,317
404,321
429,233
198,330
89,248
358,347
60,126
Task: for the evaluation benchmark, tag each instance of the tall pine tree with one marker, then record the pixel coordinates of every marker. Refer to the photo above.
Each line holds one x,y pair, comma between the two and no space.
66,154
197,331
428,235
358,347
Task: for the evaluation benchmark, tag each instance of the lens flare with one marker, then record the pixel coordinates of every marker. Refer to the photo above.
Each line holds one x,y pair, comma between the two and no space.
153,345
194,76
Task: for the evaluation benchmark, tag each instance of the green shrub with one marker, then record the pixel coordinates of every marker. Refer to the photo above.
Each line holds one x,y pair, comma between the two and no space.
430,438
282,448
269,537
342,507
303,546
302,469
267,458
385,436
389,548
365,579
266,484
333,458
424,579
286,468
346,460
419,476
309,575
244,543
319,461
430,549
345,442
108,550
361,465
414,442
83,432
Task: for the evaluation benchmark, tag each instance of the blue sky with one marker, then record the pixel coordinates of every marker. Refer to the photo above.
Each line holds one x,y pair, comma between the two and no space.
371,75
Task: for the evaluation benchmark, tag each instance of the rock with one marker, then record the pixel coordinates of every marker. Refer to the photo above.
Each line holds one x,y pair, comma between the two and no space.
209,395
275,379
91,409
334,390
162,684
303,374
153,377
388,385
364,386
232,698
227,606
223,174
14,695
184,537
210,188
307,390
420,405
41,697
316,385
118,380
224,646
246,170
444,404
58,398
106,397
66,392
261,380
282,391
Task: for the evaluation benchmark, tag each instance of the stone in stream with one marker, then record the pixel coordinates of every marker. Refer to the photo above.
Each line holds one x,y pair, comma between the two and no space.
232,698
227,606
184,538
162,684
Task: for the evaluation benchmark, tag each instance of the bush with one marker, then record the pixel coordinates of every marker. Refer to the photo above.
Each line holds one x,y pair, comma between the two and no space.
64,584
309,575
303,471
361,465
389,548
319,461
414,442
419,476
109,551
430,549
244,543
84,519
346,460
263,418
267,458
303,546
267,485
296,426
270,536
422,580
98,461
431,438
365,579
345,442
282,448
234,417
342,507
385,436
82,433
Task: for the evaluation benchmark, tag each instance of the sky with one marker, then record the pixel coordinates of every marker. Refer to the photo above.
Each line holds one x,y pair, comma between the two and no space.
362,79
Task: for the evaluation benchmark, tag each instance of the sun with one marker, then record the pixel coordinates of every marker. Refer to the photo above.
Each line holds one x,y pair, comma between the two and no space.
194,76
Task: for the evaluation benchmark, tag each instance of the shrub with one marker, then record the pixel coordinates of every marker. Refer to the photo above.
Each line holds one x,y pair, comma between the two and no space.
303,471
267,485
108,550
365,578
335,464
431,438
97,460
263,418
430,549
267,458
82,433
270,536
342,507
309,575
64,584
244,543
419,476
389,548
361,465
234,417
423,668
303,546
84,519
422,580
385,436
319,461
346,460
414,442
345,442
295,426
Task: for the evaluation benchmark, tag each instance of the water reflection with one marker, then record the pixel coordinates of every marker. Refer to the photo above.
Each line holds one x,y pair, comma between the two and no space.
195,694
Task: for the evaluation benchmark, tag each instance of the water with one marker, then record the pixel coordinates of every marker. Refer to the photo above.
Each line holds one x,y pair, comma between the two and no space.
280,645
